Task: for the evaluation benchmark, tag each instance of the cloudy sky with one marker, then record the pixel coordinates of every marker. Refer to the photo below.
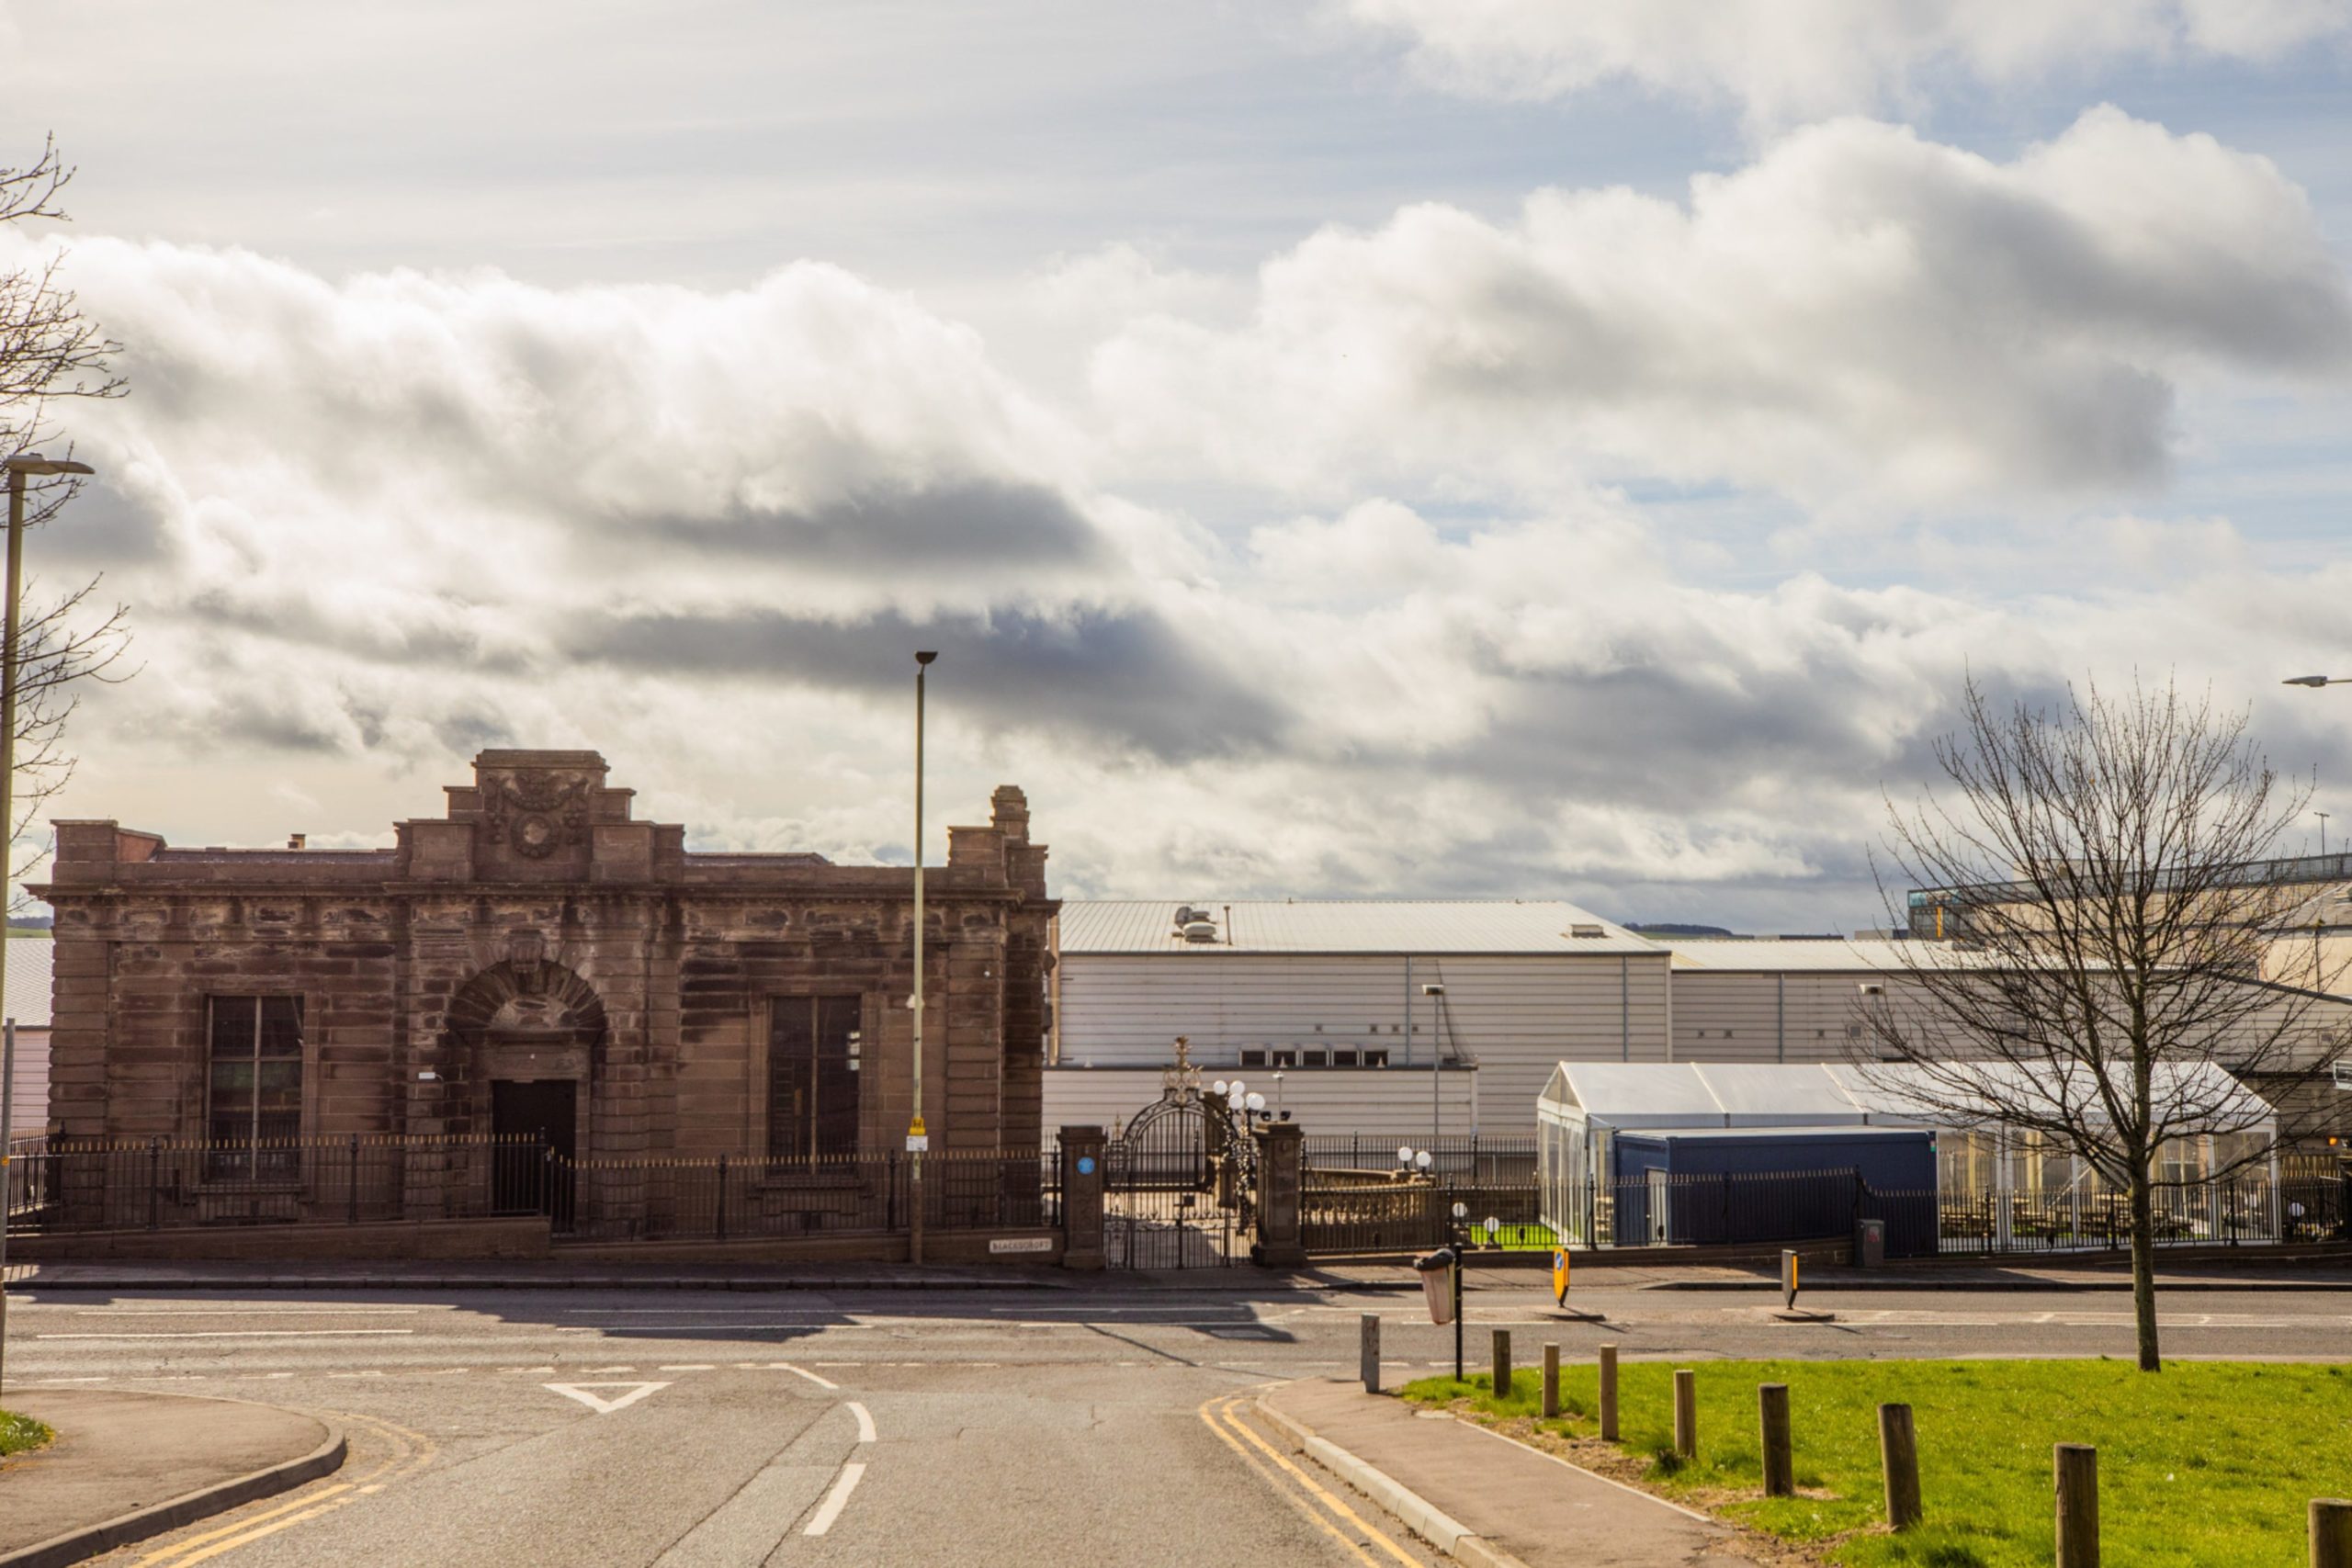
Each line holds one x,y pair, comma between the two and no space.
1339,446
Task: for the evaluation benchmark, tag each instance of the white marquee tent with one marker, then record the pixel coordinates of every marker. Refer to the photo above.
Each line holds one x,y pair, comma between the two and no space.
1978,1158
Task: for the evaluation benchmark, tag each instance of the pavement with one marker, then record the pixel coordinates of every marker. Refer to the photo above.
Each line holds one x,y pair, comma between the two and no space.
142,1463
1484,1499
1486,1273
1114,1423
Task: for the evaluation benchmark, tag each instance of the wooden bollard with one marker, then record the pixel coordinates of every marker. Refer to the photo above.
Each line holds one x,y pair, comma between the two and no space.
1502,1363
1898,1454
2331,1533
1609,1394
2076,1481
1686,1413
1779,1463
1368,1352
1551,1381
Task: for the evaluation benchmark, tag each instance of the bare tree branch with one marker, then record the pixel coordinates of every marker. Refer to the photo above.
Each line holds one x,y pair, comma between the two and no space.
50,352
2097,868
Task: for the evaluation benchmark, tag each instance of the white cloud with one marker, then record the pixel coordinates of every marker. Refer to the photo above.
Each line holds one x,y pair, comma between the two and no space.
1859,318
369,526
1783,60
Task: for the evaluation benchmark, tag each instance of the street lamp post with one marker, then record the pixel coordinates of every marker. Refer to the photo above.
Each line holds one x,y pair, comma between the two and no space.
1437,1109
917,1135
34,465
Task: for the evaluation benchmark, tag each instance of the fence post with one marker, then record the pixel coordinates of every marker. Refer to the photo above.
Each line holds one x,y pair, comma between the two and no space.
154,1183
2076,1481
2331,1533
1609,1394
1280,1183
1551,1381
719,1223
1898,1453
1084,1154
1368,1351
1780,1465
352,1216
1686,1413
1502,1363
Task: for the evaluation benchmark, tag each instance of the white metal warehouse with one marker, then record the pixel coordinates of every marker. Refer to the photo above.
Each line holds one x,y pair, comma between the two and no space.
1335,994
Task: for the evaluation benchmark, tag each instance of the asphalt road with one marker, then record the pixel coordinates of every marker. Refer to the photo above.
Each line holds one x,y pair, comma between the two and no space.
1094,1427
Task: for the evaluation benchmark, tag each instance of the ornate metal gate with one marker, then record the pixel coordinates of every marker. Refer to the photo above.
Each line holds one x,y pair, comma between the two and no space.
1177,1185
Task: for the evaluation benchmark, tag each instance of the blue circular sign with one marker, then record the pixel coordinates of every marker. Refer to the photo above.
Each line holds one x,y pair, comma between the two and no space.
1086,1165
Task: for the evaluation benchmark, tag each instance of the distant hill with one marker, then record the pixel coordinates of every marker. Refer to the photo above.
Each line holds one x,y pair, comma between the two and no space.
1669,929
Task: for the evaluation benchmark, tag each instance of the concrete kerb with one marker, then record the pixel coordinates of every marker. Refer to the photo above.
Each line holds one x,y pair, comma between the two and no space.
1420,1515
75,1546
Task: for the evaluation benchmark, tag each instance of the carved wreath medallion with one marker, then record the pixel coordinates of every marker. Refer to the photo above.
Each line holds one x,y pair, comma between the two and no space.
537,816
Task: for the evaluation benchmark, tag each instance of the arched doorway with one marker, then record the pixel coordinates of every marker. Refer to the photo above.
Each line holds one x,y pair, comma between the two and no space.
531,1034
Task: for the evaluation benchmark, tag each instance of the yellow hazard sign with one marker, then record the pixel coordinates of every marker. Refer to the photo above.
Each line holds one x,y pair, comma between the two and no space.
1560,1275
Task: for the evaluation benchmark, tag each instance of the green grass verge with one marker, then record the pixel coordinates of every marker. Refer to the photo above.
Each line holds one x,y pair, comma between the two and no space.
2203,1465
18,1433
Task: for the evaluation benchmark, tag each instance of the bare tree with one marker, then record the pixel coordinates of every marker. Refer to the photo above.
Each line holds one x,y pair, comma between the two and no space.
50,352
2096,864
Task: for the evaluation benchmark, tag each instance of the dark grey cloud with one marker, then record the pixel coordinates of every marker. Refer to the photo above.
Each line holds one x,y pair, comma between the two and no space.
1123,675
290,614
981,523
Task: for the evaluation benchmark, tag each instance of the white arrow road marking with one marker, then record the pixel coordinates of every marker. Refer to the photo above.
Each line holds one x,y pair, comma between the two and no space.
835,1500
597,1403
864,1421
802,1371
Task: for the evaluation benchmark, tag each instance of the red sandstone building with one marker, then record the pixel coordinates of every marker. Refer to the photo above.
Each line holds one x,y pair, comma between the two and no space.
535,962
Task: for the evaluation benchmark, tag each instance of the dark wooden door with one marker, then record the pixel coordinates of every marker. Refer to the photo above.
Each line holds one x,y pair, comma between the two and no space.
538,1174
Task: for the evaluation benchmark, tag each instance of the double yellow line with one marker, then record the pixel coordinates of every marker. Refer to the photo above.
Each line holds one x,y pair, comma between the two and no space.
1319,1503
412,1451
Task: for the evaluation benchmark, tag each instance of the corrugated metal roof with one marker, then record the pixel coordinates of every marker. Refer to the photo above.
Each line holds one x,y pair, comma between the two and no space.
27,1000
1791,957
1344,925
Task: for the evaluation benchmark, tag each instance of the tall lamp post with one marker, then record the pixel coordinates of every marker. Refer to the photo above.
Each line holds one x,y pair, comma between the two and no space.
2319,681
1437,1055
31,464
917,1135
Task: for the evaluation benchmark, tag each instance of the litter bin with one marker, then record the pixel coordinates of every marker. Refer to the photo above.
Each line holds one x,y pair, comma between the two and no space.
1437,1283
1870,1244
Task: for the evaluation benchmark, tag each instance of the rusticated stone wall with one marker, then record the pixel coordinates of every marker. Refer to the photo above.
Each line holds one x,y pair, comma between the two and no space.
535,931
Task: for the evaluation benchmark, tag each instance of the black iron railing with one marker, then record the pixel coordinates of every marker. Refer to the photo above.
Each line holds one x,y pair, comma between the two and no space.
164,1184
1501,1159
1362,1212
170,1184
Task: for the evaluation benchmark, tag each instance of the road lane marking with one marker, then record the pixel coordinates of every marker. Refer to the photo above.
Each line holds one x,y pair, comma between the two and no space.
690,1366
412,1451
240,1334
789,1367
1327,1497
251,1536
247,1523
598,1402
836,1500
243,1310
1273,1483
864,1421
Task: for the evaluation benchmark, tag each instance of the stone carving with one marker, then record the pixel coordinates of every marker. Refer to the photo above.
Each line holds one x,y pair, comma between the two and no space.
535,814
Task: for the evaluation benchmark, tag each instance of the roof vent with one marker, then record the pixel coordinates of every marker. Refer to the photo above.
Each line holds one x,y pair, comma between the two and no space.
1583,931
1200,929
